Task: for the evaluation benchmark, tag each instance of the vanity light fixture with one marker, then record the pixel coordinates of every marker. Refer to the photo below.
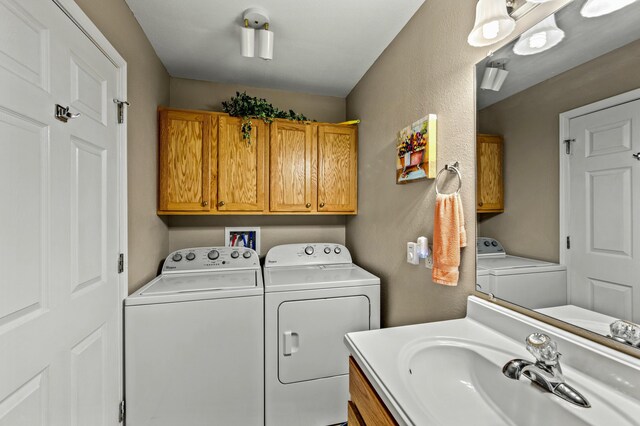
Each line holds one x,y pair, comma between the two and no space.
256,20
595,8
494,76
538,1
542,36
492,24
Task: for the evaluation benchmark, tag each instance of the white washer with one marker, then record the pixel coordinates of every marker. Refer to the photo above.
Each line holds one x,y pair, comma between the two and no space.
527,282
194,341
314,295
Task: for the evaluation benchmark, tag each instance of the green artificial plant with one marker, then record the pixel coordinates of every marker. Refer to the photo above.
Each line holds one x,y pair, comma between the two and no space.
249,107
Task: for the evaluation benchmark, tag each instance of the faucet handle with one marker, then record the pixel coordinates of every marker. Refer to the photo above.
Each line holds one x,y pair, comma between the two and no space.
625,331
543,348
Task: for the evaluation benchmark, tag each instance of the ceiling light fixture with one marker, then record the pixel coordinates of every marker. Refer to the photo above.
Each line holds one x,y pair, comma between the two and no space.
256,19
492,24
494,76
248,40
595,8
542,36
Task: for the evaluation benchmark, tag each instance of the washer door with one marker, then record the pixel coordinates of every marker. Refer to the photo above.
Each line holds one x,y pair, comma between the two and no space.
311,333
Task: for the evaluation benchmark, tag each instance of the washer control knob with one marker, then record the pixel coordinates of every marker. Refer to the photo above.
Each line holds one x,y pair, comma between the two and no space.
246,254
327,250
213,254
235,254
494,243
308,250
337,250
487,243
177,257
190,256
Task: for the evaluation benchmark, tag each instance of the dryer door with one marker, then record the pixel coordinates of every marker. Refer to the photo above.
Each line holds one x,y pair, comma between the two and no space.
311,333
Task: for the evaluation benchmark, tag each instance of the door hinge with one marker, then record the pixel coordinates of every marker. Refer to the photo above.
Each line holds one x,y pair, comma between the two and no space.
121,412
121,263
568,242
567,145
121,105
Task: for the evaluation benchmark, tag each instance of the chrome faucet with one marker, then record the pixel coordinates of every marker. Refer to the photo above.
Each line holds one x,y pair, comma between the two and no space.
625,332
546,371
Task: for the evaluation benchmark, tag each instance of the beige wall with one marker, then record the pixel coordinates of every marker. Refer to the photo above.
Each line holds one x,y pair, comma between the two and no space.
428,68
529,122
207,95
185,231
148,87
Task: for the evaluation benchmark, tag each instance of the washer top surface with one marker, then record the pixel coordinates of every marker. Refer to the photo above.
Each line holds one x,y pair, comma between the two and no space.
493,258
203,273
313,266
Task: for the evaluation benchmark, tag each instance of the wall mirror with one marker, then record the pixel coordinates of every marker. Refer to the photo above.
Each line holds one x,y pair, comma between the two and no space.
558,152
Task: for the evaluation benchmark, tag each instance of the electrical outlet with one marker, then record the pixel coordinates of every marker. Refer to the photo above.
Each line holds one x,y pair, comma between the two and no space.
412,253
428,261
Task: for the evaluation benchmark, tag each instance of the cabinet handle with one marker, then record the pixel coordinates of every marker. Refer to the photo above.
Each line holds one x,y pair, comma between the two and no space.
321,205
480,203
221,203
307,205
205,203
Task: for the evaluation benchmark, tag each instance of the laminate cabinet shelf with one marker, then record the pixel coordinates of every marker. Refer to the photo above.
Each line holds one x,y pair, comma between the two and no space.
287,167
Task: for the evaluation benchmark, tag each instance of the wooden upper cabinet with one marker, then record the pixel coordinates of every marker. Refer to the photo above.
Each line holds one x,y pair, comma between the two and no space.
185,147
292,167
337,168
241,166
490,186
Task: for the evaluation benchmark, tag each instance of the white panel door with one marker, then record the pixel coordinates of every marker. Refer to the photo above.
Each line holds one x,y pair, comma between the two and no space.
59,298
604,258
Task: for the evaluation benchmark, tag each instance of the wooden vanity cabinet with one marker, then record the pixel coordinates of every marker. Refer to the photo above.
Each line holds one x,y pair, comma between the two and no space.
337,168
365,406
241,166
186,144
292,166
490,182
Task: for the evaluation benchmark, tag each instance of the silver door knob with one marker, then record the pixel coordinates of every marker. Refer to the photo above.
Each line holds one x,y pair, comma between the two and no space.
636,156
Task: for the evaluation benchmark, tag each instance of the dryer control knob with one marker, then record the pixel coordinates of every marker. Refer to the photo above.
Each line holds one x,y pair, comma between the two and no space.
308,250
494,243
487,243
213,254
191,256
327,250
177,257
337,250
246,254
235,254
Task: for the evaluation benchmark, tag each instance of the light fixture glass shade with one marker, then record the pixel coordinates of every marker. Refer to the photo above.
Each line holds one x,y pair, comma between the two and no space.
493,23
248,40
594,8
265,44
493,78
538,1
542,36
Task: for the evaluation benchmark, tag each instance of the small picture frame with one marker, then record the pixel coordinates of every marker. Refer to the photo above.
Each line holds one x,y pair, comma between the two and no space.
416,151
242,236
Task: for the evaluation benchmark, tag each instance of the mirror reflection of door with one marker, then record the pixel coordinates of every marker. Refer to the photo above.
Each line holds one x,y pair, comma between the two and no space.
604,181
584,88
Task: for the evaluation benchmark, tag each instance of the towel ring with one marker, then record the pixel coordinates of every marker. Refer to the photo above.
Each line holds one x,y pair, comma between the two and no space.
450,168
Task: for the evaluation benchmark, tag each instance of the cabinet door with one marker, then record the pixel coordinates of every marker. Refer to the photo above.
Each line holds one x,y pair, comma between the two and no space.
292,167
185,146
337,168
241,166
490,190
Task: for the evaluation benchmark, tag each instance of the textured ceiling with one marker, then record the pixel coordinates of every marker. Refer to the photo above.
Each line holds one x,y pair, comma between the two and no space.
321,47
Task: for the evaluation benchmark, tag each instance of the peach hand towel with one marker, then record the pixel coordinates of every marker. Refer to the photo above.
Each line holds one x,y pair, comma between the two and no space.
449,235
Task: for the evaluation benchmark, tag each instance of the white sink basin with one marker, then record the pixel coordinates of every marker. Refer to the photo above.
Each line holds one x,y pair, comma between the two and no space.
445,374
450,373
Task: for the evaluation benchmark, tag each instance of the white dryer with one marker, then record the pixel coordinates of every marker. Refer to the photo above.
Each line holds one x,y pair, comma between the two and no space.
314,295
527,282
194,341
